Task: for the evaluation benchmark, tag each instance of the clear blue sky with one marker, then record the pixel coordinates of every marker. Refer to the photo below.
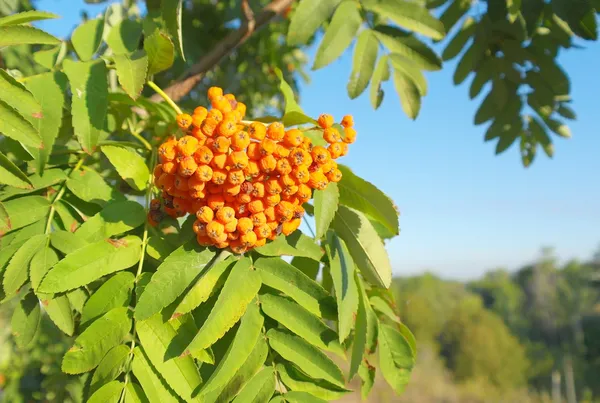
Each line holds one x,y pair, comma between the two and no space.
463,210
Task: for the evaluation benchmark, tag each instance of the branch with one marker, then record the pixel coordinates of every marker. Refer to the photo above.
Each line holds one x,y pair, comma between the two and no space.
250,24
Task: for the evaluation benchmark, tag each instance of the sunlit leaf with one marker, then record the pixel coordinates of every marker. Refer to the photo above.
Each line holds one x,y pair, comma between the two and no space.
130,166
87,38
114,293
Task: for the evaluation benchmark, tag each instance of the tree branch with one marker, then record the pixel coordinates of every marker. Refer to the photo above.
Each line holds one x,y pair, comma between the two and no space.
250,24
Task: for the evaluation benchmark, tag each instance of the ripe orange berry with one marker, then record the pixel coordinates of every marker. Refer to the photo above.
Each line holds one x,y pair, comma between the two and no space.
263,231
284,211
331,135
187,145
167,151
214,229
237,247
267,146
298,156
181,183
258,190
328,166
318,180
197,193
304,192
221,144
203,173
272,186
347,121
276,131
227,127
187,166
219,176
166,182
256,206
170,167
231,227
241,109
248,239
288,227
215,201
199,227
270,213
203,240
260,242
349,135
197,133
236,177
252,170
194,183
301,174
244,198
283,166
214,92
257,131
344,149
289,191
335,175
225,214
254,152
219,161
298,211
215,114
157,171
244,225
320,155
203,155
267,163
197,121
240,140
184,121
325,121
213,188
281,151
205,214
208,126
222,104
233,235
181,205
272,200
258,219
293,138
231,191
335,150
201,112
275,227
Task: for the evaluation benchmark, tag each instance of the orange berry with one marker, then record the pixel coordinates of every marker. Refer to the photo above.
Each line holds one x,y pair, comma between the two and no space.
181,183
241,109
194,183
187,166
197,121
256,206
171,212
348,121
214,92
267,146
252,169
335,150
304,192
335,175
184,121
258,219
258,190
155,204
166,182
232,190
225,214
289,191
301,174
281,151
205,214
237,160
274,227
214,229
298,211
215,201
331,135
349,135
227,128
244,198
198,135
197,193
328,166
263,231
222,242
318,180
236,177
267,163
244,225
298,156
293,138
247,187
178,193
240,140
222,104
229,199
167,151
157,171
231,226
213,188
248,239
325,121
272,186
203,173
257,131
187,145
203,240
219,176
254,152
181,205
203,155
284,211
344,149
276,131
320,155
260,242
215,114
237,247
221,144
283,166
288,227
209,126
233,235
270,213
201,112
170,167
272,200
199,227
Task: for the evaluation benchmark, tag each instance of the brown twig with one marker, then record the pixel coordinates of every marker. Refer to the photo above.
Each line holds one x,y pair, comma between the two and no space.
250,24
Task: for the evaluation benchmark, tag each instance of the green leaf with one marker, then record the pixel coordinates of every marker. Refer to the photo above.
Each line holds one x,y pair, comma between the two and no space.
134,393
97,340
302,397
379,75
484,73
410,16
467,63
339,34
11,175
326,204
558,127
49,89
60,312
114,293
130,166
21,35
259,389
239,350
50,177
306,356
342,271
66,242
367,376
301,321
49,58
77,298
240,288
40,263
13,125
15,274
89,102
18,97
111,366
131,70
91,263
359,344
295,380
458,42
206,285
25,17
307,18
26,210
454,12
180,373
410,96
409,47
307,266
396,357
288,95
365,246
363,63
295,118
282,276
173,277
115,219
87,37
25,321
160,51
566,112
538,131
154,387
363,196
4,221
124,37
296,244
171,15
109,393
382,306
415,75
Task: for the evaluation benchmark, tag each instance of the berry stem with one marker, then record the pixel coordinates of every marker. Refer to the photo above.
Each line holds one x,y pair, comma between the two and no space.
164,96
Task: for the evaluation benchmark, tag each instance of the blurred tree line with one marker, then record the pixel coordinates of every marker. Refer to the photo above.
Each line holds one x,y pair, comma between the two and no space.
536,329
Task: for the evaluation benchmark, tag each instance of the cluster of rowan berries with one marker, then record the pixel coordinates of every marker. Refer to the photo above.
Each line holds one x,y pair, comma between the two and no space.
244,181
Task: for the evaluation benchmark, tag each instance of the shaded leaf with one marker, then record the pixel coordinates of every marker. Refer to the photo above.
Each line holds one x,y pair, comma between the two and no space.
130,166
409,47
89,186
16,274
295,380
111,366
458,42
296,244
13,125
301,397
114,293
131,70
51,57
25,321
172,18
259,389
363,63
134,393
155,388
124,37
411,16
18,96
60,312
415,75
11,175
109,393
410,97
307,18
379,75
359,344
326,203
396,357
367,376
115,219
307,266
160,51
87,37
40,263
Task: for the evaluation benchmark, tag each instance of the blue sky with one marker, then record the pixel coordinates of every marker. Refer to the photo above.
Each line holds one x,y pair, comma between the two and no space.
463,210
